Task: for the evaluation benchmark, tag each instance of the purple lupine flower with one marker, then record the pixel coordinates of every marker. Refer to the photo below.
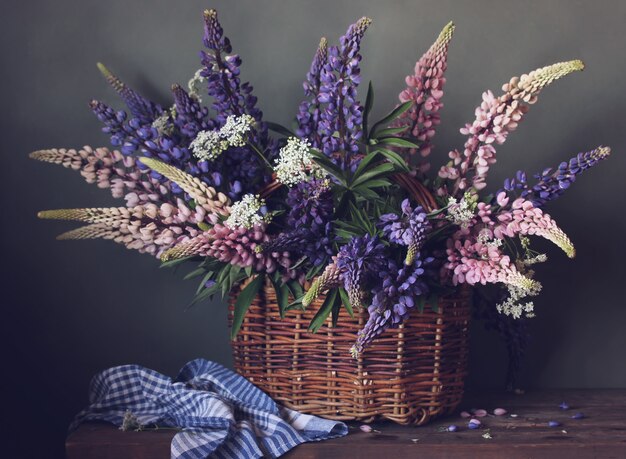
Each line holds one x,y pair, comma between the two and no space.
553,182
360,260
342,114
409,230
191,117
393,298
311,210
310,109
140,107
221,69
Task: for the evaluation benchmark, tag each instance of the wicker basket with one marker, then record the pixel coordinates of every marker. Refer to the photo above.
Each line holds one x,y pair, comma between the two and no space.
409,375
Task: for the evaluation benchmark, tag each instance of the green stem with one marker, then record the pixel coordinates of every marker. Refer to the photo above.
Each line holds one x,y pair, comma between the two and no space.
260,155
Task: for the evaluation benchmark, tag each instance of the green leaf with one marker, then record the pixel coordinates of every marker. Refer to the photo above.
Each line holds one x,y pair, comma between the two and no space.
366,193
204,281
398,142
282,294
434,303
390,132
369,103
314,271
328,165
346,301
364,163
195,273
295,288
421,301
172,263
335,311
395,158
361,220
243,302
319,318
380,170
206,293
279,128
248,271
395,113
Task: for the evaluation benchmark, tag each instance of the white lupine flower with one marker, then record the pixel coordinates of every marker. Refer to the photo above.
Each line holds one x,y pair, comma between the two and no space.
295,162
208,145
235,130
460,213
245,213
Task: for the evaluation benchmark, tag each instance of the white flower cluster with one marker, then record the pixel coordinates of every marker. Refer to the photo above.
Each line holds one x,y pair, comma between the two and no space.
295,162
512,305
208,145
163,124
245,213
485,237
461,213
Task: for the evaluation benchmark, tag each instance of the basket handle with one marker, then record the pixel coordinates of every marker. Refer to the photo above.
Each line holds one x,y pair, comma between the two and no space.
418,192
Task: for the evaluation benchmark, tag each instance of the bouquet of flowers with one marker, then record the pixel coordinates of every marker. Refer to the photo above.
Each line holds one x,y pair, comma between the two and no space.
339,205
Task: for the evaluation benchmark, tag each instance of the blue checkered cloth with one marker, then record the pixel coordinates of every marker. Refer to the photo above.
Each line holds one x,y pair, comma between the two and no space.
221,414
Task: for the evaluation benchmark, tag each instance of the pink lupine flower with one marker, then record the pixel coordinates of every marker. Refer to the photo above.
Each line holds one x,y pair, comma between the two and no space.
526,219
425,89
237,246
495,118
109,169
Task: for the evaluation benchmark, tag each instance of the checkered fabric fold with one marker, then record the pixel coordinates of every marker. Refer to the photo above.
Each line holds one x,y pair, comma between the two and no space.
221,414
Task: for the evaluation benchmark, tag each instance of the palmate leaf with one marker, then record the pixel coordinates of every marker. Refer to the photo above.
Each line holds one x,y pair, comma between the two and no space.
388,132
398,142
394,158
378,171
346,301
243,302
395,113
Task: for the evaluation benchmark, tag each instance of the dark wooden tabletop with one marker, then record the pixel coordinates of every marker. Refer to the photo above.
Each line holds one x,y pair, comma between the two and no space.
600,434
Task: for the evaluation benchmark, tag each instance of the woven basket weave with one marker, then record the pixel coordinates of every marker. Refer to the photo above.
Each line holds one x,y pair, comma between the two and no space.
409,375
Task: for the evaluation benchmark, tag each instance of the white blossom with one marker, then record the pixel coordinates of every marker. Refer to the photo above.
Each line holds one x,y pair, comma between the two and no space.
245,213
512,305
461,213
295,162
208,145
235,130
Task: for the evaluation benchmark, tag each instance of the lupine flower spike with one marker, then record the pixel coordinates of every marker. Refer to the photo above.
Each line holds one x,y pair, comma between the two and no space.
496,117
425,89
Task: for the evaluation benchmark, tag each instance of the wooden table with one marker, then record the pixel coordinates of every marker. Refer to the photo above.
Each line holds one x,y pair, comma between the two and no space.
601,434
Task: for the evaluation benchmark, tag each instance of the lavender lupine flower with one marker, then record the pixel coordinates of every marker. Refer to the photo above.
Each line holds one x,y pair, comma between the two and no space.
360,260
409,229
425,89
496,117
310,110
110,169
148,228
392,300
311,209
190,117
140,107
553,182
221,69
342,115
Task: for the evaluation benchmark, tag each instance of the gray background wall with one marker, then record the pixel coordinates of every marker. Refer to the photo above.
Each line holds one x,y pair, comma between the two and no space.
72,309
